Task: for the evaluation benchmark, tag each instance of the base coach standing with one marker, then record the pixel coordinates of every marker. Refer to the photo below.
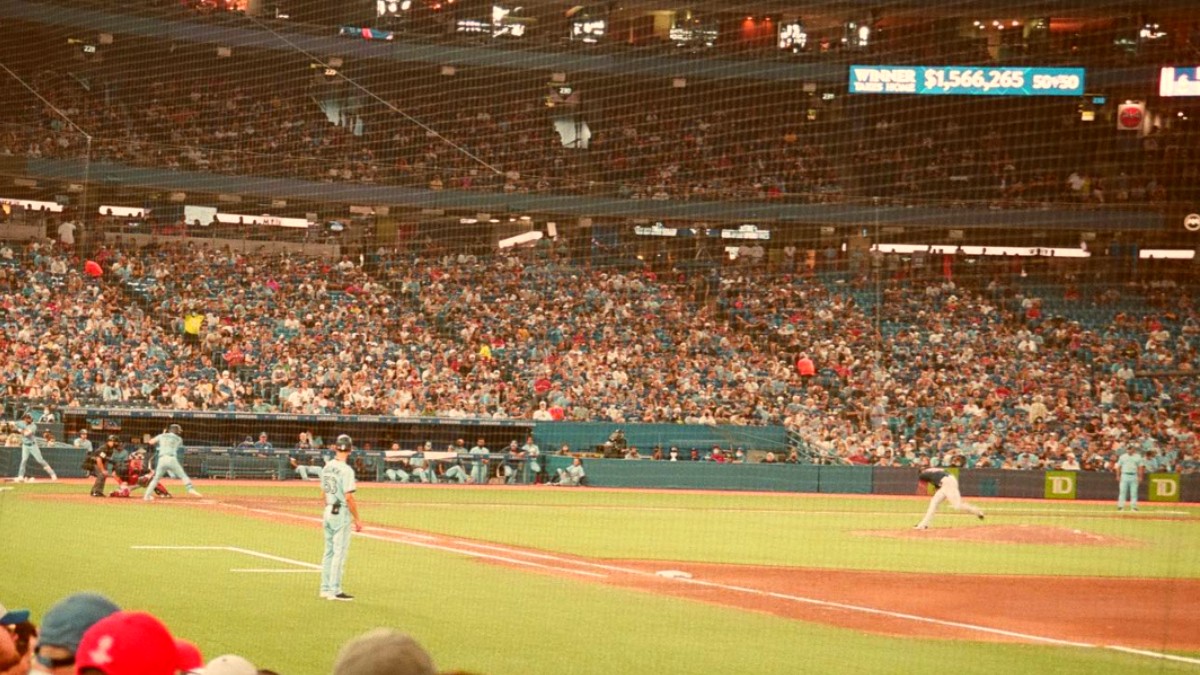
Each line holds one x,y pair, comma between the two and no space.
1131,470
341,513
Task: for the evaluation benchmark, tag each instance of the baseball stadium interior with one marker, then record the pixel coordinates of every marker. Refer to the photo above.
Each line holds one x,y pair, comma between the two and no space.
762,246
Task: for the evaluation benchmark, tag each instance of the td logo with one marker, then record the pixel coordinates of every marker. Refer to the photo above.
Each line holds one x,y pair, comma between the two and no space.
1164,487
1060,485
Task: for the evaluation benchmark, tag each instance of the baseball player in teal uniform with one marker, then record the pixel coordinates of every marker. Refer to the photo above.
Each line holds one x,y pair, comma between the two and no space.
482,457
30,448
572,475
1130,469
341,513
533,455
169,444
423,469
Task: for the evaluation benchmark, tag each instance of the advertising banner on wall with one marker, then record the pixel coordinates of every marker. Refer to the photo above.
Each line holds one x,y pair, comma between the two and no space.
1060,485
966,80
1162,487
1179,82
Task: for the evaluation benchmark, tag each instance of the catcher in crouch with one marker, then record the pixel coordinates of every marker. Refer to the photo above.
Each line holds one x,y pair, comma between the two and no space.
134,473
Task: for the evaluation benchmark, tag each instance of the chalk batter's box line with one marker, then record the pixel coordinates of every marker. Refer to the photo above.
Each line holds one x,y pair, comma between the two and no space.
304,566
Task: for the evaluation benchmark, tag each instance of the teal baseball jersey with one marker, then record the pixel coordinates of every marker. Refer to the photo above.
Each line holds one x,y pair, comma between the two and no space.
337,480
168,444
1128,464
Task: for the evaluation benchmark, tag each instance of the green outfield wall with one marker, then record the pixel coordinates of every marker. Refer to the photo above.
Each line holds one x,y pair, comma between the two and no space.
221,463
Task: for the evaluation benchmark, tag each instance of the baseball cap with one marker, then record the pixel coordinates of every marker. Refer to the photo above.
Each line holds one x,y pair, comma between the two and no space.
383,651
128,643
190,659
67,621
229,664
13,616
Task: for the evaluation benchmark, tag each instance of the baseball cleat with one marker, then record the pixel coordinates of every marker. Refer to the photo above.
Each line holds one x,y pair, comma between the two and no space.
920,527
340,596
980,516
194,492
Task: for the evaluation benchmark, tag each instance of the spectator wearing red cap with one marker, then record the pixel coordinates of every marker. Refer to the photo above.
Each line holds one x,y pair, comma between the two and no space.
190,658
127,643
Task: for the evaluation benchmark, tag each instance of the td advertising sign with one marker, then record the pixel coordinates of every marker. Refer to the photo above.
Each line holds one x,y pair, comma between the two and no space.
1060,485
1162,487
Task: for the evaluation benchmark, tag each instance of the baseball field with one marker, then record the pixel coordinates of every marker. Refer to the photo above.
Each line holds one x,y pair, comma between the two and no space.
533,580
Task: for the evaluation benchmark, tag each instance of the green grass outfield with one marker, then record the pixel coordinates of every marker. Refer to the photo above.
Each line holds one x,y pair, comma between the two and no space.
495,620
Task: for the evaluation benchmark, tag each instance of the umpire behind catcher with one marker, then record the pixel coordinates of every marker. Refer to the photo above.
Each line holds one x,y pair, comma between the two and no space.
97,462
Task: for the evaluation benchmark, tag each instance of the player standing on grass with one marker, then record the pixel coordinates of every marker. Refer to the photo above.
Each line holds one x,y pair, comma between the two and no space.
341,513
947,489
1130,469
169,444
30,448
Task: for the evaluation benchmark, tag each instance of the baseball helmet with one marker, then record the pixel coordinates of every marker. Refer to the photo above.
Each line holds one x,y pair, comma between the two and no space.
175,429
344,442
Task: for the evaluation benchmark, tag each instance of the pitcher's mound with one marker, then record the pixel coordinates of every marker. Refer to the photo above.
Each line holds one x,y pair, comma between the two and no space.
1005,534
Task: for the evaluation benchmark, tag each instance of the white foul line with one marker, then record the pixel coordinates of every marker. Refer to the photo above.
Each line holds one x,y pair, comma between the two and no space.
400,537
477,554
1159,655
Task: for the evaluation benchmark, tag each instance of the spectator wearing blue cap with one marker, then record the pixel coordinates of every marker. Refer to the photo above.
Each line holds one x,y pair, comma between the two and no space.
16,632
8,618
63,628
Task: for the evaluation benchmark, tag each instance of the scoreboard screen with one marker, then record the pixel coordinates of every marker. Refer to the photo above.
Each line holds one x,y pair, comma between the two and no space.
966,80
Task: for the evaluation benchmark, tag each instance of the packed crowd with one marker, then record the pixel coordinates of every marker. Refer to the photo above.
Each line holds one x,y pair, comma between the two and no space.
690,146
90,634
992,365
